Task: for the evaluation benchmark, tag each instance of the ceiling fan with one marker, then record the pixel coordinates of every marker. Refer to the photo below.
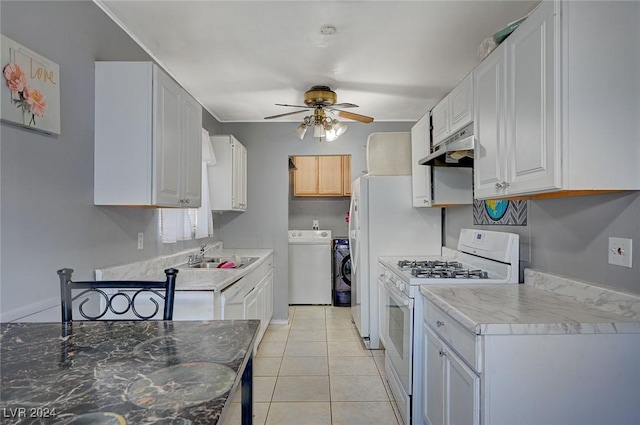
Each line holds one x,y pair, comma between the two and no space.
321,99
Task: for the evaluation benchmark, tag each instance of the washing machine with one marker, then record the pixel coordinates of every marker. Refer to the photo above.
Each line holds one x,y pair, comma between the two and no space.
341,273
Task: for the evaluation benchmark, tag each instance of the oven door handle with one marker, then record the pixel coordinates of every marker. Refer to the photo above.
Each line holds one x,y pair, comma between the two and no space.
399,297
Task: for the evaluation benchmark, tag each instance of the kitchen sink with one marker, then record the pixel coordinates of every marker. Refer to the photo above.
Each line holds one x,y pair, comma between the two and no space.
216,262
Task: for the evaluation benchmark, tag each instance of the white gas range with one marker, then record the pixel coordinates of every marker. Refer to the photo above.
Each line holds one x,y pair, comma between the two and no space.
482,257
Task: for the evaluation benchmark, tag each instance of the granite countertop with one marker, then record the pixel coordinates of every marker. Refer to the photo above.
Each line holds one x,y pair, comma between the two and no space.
544,304
122,372
187,279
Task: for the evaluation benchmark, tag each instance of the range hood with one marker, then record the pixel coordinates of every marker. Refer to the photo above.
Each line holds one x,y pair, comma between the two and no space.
454,151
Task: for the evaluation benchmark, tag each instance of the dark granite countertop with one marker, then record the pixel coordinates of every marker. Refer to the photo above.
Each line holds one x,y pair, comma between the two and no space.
121,372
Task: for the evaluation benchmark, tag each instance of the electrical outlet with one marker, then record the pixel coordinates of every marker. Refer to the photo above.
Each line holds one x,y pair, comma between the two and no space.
316,225
140,240
620,252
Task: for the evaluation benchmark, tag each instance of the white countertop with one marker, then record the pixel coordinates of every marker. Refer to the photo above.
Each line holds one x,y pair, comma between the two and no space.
544,304
187,279
218,279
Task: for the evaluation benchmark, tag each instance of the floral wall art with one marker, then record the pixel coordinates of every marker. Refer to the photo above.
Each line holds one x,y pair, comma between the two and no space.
30,94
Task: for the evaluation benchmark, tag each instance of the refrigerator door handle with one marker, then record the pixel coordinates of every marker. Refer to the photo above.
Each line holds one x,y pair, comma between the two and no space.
352,234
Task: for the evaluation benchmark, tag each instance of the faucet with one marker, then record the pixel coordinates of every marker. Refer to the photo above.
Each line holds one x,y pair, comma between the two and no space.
195,259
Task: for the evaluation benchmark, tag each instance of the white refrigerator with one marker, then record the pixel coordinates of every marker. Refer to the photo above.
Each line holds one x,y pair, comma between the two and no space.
383,222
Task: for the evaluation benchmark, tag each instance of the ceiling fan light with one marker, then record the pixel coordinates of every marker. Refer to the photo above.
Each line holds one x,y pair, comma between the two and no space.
331,134
318,131
300,131
339,127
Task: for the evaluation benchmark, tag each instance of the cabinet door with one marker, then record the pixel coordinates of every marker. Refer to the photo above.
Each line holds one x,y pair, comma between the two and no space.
420,174
534,150
346,175
330,175
192,152
461,104
193,305
251,304
239,176
440,121
433,379
268,298
462,391
305,178
489,124
167,140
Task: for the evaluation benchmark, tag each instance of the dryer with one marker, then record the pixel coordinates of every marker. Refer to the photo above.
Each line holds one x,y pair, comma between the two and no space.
341,273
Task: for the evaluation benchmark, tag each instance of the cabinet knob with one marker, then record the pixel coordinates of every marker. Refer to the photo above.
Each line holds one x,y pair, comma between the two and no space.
442,353
498,185
439,323
187,201
424,201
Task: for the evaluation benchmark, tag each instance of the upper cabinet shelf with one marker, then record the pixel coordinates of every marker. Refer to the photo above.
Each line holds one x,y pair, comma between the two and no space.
148,148
556,104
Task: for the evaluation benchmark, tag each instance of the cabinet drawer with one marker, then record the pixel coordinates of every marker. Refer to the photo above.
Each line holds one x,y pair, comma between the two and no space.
449,330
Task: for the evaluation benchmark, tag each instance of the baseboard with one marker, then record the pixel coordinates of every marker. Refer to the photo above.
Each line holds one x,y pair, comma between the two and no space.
27,310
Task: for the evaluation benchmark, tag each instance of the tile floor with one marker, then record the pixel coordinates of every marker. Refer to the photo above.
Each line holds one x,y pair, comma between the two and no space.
315,371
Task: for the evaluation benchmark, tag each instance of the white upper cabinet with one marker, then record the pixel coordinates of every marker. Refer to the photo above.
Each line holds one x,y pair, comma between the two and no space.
454,111
554,106
420,174
436,186
148,148
228,177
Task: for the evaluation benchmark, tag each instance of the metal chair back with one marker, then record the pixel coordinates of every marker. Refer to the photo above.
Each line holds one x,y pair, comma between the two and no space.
108,291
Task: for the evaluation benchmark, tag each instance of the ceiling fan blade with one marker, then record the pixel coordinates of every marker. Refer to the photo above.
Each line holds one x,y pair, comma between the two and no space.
344,105
293,106
356,117
285,114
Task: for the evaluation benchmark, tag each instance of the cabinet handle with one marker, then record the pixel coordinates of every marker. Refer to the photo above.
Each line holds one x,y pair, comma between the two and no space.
424,201
439,323
442,353
498,185
187,201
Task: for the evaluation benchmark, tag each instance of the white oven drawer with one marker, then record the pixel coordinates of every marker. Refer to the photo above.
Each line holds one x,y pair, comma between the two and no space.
460,339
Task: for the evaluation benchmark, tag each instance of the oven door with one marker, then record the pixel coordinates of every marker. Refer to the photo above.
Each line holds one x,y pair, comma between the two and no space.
396,330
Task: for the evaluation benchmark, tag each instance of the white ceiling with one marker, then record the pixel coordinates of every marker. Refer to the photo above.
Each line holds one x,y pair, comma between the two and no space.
395,59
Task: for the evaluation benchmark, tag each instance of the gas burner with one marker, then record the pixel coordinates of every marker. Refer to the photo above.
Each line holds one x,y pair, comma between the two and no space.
449,271
428,264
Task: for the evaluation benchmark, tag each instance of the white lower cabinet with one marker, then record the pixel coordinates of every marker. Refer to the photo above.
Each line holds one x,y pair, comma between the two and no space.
451,389
554,378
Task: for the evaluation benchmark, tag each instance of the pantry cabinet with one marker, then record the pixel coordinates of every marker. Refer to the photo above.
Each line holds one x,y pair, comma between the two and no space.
228,177
148,151
545,104
454,111
327,175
